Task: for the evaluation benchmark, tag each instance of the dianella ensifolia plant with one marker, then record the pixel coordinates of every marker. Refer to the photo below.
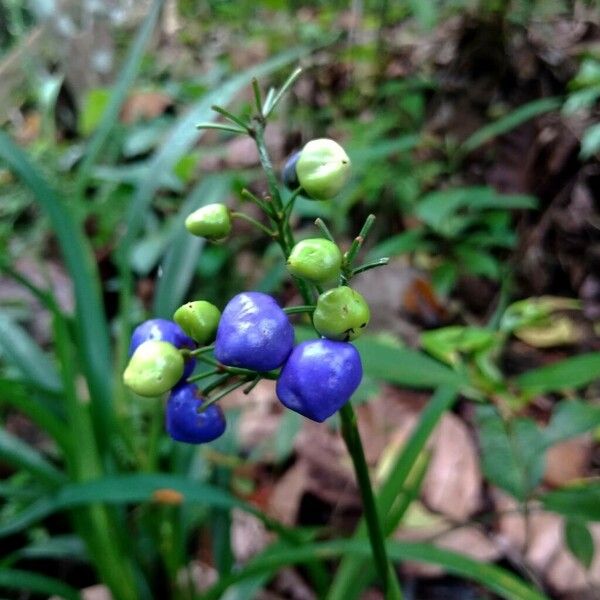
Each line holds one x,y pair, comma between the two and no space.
253,338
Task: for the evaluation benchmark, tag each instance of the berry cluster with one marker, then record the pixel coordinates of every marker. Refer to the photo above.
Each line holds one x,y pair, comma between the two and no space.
253,337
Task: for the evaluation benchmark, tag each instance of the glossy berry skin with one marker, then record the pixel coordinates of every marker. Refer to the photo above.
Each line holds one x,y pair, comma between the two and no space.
319,377
254,333
289,175
212,222
185,424
166,331
316,259
323,168
154,368
341,314
199,320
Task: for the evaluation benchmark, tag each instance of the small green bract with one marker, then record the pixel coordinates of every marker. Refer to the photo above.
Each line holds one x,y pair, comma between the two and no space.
199,320
341,314
154,368
212,222
316,260
323,169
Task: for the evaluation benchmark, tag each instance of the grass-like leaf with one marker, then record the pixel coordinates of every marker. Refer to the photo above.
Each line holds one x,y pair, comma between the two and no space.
17,453
17,579
119,94
510,121
23,353
494,578
568,374
127,489
92,329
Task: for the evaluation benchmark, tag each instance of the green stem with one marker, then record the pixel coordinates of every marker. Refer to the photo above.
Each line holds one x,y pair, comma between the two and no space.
348,418
358,242
304,308
251,220
356,451
223,393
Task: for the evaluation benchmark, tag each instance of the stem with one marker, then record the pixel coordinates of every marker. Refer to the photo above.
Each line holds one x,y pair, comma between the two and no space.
380,262
222,394
303,308
257,224
355,449
202,376
358,241
321,225
222,127
230,117
347,416
202,350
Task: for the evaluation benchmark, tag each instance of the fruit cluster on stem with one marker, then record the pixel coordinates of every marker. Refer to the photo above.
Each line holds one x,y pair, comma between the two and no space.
253,337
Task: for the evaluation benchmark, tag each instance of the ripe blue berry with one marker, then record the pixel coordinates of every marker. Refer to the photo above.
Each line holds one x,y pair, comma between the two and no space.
254,333
319,378
164,331
183,421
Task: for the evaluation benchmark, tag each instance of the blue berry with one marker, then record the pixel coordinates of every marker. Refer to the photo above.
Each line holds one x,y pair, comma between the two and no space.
254,333
183,421
319,378
163,330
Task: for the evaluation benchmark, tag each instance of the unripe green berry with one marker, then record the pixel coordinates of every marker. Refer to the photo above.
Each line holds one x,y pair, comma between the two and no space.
199,320
212,222
323,169
315,259
154,368
341,314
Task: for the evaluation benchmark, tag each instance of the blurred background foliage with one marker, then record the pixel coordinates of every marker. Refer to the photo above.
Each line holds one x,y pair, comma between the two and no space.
474,135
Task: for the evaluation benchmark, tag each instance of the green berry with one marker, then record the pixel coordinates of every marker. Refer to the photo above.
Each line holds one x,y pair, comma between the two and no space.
341,314
315,259
323,169
199,320
154,368
212,222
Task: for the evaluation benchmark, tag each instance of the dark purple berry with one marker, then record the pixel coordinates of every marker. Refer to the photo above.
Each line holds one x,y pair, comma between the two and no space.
289,175
254,333
183,421
319,378
162,330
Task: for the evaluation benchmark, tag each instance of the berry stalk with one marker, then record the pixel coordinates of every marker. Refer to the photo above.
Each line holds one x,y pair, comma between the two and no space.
350,431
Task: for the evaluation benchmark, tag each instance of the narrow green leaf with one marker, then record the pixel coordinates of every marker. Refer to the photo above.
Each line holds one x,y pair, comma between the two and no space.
510,121
21,351
18,454
578,501
59,547
92,329
126,489
568,374
494,578
43,414
579,541
180,262
16,579
119,93
404,366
